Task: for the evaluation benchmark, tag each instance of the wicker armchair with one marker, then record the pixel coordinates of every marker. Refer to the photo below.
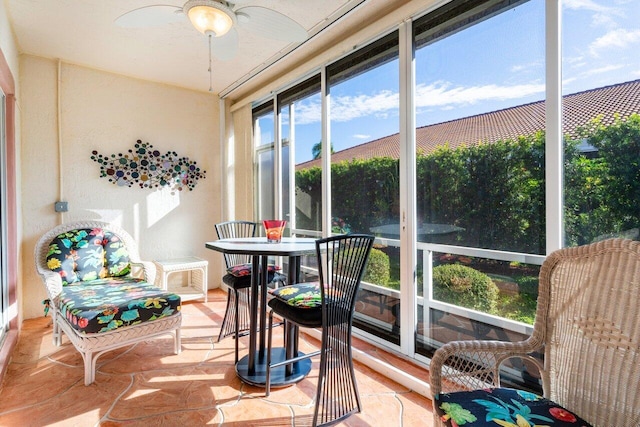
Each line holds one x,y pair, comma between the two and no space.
94,298
588,328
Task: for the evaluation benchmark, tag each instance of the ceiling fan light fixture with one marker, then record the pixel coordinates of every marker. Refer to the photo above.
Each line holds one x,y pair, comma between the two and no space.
209,17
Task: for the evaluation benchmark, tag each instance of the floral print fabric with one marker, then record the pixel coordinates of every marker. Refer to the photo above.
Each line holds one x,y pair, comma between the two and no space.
98,294
87,254
502,407
243,270
302,295
107,304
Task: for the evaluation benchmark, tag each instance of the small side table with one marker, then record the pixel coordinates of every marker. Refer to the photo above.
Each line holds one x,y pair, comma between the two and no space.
197,283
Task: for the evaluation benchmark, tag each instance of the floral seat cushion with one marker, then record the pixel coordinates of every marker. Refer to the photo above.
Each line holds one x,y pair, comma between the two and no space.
502,407
106,304
88,254
239,276
303,295
242,270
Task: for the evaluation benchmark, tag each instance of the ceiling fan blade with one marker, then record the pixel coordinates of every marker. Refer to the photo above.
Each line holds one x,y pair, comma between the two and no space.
150,16
226,47
271,24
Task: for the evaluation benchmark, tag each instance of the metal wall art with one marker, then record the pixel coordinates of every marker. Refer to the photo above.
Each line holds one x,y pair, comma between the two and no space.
148,168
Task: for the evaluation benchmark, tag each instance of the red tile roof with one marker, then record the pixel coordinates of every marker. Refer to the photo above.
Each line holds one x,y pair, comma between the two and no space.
578,109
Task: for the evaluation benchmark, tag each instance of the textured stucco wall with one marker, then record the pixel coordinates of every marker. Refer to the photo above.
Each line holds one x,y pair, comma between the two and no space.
62,123
7,42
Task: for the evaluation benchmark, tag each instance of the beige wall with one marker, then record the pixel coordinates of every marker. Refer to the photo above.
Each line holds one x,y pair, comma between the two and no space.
67,112
7,42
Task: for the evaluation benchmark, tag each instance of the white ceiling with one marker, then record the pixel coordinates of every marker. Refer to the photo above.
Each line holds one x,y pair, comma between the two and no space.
83,32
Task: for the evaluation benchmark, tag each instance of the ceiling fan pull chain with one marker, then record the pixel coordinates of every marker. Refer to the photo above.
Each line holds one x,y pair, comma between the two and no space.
210,70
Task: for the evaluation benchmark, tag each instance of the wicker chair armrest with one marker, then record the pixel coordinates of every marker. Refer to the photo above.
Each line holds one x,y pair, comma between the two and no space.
469,365
147,268
53,284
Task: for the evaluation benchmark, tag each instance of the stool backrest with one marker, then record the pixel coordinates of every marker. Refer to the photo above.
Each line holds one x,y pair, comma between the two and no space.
232,230
341,265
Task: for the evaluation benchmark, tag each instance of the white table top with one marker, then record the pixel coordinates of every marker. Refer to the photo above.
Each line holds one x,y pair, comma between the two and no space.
289,246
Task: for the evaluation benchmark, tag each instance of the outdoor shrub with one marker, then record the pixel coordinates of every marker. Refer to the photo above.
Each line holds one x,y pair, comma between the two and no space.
378,268
464,286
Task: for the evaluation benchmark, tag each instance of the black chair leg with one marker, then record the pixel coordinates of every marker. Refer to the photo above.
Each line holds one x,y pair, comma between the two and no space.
237,322
268,373
225,329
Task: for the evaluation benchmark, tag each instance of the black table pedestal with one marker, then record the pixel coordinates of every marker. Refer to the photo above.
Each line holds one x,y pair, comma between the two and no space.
279,378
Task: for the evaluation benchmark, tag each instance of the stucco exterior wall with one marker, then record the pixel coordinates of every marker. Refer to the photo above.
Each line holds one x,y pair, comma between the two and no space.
67,112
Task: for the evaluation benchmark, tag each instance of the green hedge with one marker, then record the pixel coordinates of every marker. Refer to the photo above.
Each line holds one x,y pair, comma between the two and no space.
464,286
378,269
494,192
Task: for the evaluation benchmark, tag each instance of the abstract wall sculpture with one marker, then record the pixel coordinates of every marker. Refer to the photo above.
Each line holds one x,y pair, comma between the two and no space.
148,168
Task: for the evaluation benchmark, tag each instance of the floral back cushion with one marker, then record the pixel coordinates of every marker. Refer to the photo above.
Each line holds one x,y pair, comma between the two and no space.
87,254
116,256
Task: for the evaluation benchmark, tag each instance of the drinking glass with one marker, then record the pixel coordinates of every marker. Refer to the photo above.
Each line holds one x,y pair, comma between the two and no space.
274,229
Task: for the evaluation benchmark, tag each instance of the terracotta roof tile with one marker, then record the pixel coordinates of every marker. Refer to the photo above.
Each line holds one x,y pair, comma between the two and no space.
578,109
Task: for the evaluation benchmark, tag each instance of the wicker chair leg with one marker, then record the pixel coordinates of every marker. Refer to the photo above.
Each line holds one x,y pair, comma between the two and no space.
89,367
177,342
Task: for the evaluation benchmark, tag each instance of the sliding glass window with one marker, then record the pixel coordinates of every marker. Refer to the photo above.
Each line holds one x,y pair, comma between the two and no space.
480,121
365,191
601,125
300,115
264,143
480,73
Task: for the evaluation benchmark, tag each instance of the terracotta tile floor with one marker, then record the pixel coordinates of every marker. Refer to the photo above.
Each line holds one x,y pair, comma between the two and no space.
147,384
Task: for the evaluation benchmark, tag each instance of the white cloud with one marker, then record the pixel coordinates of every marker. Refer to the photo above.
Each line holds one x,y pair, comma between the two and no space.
620,39
530,67
308,112
361,136
602,70
602,15
439,94
586,5
347,108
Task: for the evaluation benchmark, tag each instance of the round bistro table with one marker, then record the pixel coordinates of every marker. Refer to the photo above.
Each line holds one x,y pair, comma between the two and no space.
251,369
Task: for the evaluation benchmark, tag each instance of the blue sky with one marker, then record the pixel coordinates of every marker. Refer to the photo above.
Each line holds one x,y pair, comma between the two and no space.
493,65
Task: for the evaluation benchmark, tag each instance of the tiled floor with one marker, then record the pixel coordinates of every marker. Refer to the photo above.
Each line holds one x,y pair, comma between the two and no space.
148,385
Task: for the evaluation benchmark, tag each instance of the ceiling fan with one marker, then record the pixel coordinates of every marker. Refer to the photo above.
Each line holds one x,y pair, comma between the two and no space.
218,20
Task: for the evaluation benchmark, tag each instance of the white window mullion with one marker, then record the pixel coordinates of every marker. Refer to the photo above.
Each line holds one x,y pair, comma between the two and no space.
408,223
292,166
554,157
277,161
326,154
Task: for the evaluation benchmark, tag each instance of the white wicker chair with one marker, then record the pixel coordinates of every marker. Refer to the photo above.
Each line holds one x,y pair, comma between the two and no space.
92,345
588,328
